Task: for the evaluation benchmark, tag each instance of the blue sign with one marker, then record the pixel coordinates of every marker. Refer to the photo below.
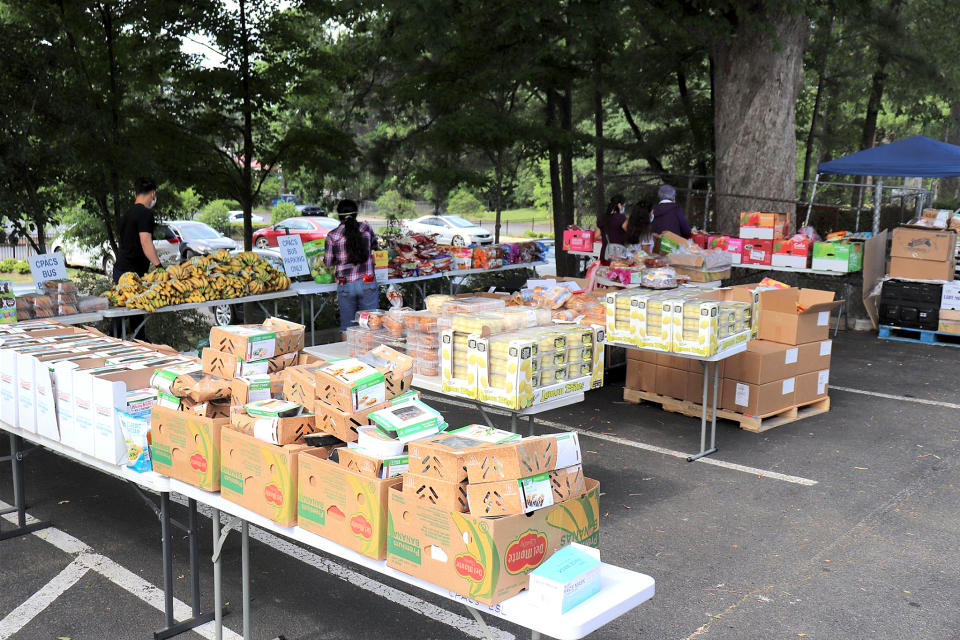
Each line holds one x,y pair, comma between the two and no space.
287,197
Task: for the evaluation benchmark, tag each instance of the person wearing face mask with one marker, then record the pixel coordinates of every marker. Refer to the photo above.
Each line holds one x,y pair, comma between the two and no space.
609,229
136,252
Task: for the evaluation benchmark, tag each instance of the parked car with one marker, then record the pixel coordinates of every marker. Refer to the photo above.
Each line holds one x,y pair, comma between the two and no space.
225,314
454,230
255,218
310,210
174,241
308,228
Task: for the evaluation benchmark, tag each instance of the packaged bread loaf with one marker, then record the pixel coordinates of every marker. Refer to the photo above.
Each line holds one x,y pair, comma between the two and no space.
189,381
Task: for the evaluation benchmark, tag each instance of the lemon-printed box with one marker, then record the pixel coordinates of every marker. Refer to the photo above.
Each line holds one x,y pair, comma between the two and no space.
458,369
584,376
621,326
510,383
707,327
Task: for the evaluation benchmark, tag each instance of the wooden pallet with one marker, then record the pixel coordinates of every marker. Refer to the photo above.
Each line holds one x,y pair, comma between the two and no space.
919,336
756,424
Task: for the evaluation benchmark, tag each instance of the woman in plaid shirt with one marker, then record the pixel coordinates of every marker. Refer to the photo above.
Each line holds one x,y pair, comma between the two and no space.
350,248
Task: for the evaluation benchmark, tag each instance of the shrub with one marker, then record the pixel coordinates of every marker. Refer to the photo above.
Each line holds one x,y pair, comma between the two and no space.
463,203
282,211
7,265
392,205
22,267
215,215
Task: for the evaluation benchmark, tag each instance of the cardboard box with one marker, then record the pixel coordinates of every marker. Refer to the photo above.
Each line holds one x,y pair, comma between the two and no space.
523,458
259,476
670,382
812,386
641,376
814,356
341,423
795,316
343,506
921,269
510,497
921,254
758,400
735,249
300,386
711,323
228,365
950,298
949,321
359,461
258,341
485,560
790,261
764,225
458,375
107,393
397,370
641,355
763,362
845,257
445,455
442,493
757,252
349,385
277,431
187,447
260,387
577,240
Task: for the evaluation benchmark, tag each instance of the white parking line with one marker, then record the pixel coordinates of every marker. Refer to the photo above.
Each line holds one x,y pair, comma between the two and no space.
35,604
413,603
118,575
754,471
935,403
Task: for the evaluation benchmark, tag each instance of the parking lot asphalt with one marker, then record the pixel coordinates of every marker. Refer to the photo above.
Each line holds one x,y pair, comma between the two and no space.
860,540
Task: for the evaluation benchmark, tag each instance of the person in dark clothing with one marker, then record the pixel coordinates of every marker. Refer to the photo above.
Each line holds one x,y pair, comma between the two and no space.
610,225
135,251
667,215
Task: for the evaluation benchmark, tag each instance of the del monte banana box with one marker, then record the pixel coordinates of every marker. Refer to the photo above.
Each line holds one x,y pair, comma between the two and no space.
342,505
349,385
258,341
187,447
228,365
259,476
523,458
485,559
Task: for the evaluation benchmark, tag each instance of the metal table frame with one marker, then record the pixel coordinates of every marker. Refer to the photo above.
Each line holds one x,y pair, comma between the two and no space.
142,484
706,362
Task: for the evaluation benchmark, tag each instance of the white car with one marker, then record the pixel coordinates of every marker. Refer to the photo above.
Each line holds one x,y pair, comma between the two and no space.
255,218
454,230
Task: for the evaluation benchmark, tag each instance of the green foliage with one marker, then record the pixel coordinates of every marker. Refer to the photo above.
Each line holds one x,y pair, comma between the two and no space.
7,265
91,283
392,205
22,267
537,234
282,211
463,203
215,214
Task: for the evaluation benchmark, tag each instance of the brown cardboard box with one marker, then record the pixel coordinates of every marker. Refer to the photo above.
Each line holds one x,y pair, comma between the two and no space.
343,506
763,362
522,458
642,355
758,400
240,390
443,456
510,497
349,396
641,376
398,375
671,382
676,362
359,462
259,476
287,338
228,365
781,318
449,495
922,269
812,386
304,359
949,321
299,385
486,560
922,254
278,431
814,356
187,447
344,425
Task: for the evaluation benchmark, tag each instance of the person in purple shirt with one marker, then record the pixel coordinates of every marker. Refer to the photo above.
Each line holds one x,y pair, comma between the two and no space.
667,215
610,225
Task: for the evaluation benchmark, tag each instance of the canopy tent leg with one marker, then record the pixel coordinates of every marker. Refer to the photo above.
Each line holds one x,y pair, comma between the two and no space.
877,201
813,193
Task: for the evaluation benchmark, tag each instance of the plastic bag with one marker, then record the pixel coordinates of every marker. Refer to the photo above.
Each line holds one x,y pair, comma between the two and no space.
394,296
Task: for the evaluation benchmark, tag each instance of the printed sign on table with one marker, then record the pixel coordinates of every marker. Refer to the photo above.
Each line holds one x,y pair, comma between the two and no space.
47,266
294,259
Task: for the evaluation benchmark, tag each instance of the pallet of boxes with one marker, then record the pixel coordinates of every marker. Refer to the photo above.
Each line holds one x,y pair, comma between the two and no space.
782,376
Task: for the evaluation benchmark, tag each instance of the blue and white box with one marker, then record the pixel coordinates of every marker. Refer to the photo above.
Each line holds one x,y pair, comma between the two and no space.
567,578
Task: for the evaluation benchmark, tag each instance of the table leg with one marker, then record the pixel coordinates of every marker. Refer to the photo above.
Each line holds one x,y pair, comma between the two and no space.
192,525
19,499
245,576
716,407
483,413
513,421
703,416
166,542
530,431
217,577
313,323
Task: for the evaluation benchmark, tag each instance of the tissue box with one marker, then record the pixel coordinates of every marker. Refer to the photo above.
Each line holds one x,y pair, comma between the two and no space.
566,579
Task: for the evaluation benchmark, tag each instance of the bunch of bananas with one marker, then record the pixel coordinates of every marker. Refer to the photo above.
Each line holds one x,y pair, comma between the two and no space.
202,278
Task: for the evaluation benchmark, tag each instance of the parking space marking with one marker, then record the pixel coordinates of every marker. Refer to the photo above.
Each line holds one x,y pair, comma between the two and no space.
877,394
417,605
35,604
115,573
754,471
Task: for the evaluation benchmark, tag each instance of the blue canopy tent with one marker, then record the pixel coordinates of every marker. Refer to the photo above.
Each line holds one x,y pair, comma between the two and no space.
915,157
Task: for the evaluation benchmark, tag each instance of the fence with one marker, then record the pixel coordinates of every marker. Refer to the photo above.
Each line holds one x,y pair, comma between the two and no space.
19,250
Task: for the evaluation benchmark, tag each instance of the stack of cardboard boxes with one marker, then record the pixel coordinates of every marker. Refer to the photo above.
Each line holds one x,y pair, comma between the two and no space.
788,365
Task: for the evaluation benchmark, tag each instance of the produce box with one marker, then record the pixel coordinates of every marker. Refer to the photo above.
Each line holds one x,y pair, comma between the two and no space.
735,249
949,321
793,253
718,242
228,365
458,370
187,447
344,424
838,256
279,431
442,493
349,384
757,252
360,461
524,495
300,386
795,316
764,226
343,506
397,369
523,458
258,341
263,386
577,240
758,400
408,421
445,455
920,254
485,560
706,327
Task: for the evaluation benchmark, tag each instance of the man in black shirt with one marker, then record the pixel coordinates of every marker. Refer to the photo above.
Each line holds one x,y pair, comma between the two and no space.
136,251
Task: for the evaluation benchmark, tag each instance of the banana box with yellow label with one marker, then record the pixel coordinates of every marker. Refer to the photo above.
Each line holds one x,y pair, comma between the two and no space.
706,327
458,368
505,369
621,328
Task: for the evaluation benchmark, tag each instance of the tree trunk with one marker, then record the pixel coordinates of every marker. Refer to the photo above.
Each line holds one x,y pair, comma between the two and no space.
757,77
246,186
498,202
598,134
107,20
556,186
695,129
566,265
815,116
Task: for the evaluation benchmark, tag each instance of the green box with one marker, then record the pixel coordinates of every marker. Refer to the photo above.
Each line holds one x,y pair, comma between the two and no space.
845,257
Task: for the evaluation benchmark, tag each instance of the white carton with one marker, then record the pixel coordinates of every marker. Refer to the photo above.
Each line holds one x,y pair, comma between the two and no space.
63,385
83,406
111,394
569,577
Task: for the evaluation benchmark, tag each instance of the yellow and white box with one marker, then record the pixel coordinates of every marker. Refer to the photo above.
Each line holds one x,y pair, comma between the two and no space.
458,369
707,327
621,327
505,369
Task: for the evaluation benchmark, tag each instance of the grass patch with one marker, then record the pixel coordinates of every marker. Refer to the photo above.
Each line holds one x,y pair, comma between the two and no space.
517,215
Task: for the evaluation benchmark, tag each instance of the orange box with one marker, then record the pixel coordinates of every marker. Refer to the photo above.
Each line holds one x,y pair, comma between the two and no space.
187,447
